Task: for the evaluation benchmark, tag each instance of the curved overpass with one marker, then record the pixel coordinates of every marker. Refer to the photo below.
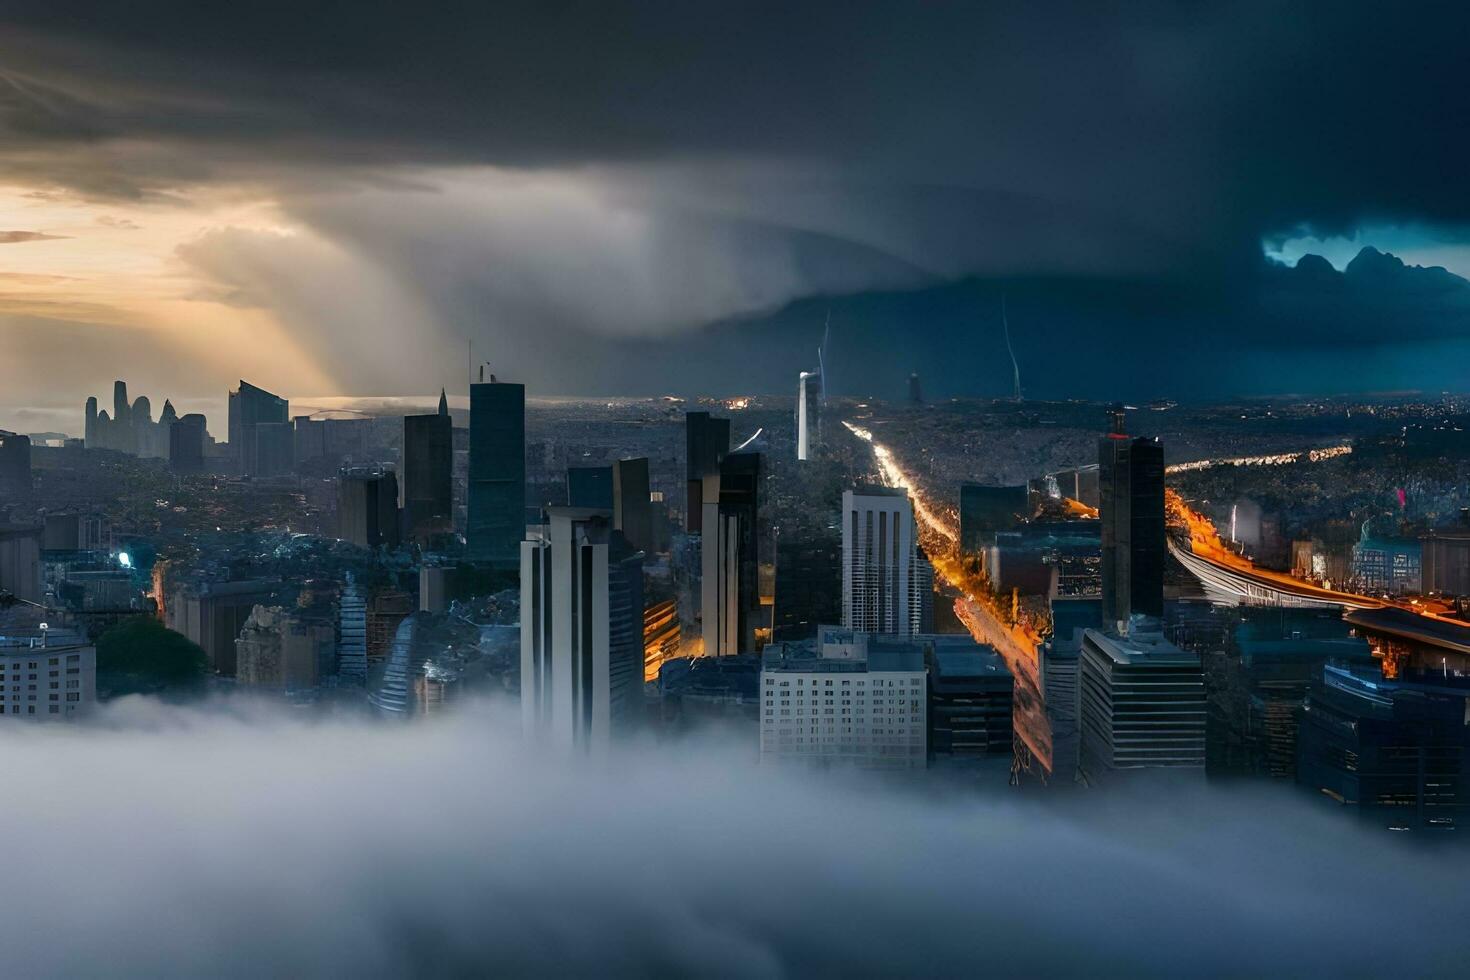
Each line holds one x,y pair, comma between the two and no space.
1234,585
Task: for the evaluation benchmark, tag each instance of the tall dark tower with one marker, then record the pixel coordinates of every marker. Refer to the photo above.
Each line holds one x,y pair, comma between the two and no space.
428,473
497,491
91,436
706,441
120,412
251,410
916,392
1131,484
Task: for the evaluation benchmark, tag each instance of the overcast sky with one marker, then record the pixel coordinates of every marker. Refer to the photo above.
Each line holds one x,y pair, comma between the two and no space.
633,198
251,841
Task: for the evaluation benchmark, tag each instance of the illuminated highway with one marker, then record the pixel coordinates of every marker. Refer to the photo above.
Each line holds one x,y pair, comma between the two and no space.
894,476
1275,459
1227,577
1018,642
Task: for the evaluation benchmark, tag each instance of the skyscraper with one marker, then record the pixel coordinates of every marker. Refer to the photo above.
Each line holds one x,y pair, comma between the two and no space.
884,574
123,438
186,444
90,435
1131,482
631,504
706,441
428,465
1141,705
367,507
808,413
15,466
730,556
250,407
497,478
581,631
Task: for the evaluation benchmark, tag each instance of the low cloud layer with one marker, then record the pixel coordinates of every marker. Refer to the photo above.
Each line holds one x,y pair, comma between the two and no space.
243,841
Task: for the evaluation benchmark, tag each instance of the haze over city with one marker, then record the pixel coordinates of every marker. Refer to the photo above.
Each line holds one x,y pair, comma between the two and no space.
734,488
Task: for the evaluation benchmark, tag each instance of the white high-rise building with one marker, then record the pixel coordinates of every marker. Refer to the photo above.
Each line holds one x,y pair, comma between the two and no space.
862,700
581,630
886,581
46,674
807,389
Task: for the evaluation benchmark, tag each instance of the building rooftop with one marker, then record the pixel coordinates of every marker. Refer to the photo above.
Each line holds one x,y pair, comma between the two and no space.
1141,649
887,654
877,490
978,660
15,641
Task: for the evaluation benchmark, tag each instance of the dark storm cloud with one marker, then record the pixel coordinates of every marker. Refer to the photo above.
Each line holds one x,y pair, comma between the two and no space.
244,841
748,155
1245,117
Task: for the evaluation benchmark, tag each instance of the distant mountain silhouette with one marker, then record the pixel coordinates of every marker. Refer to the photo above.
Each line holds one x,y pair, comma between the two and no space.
1381,272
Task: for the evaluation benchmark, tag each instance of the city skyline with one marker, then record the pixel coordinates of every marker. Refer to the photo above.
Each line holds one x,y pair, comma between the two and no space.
736,488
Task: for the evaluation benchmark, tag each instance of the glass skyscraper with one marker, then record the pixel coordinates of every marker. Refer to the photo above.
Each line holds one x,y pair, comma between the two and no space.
497,490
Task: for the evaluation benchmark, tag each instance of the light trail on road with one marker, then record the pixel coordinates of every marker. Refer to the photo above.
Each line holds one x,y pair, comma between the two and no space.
894,476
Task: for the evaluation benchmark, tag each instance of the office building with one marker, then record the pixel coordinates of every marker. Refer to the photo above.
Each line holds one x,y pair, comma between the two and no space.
1057,665
1385,564
1141,705
808,414
46,674
497,477
1445,562
367,507
428,473
250,407
984,510
1397,754
582,623
186,440
632,503
808,583
970,694
20,561
869,711
15,466
706,441
590,487
886,581
1131,482
730,608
